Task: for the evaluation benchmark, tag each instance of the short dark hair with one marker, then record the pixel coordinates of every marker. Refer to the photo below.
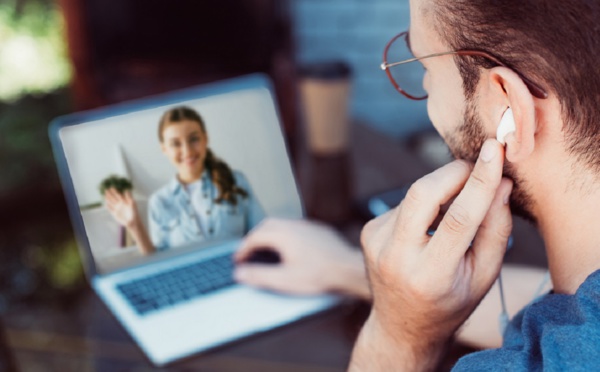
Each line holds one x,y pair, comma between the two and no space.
555,44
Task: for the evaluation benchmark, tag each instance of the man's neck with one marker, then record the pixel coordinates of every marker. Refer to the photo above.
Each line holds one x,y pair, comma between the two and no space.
568,216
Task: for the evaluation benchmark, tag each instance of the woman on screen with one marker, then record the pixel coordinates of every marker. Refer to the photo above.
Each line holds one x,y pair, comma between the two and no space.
205,199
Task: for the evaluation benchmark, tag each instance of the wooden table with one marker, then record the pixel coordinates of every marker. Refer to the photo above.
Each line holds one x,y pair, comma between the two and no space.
82,335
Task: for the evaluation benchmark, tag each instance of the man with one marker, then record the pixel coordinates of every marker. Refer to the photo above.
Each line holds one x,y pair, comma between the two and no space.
540,60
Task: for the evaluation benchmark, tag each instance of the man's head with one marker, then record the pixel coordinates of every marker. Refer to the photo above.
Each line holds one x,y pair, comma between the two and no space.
555,45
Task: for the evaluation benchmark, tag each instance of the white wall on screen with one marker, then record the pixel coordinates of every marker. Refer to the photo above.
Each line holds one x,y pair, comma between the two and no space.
243,129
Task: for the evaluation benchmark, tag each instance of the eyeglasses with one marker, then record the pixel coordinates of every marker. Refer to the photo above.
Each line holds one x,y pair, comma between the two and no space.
407,77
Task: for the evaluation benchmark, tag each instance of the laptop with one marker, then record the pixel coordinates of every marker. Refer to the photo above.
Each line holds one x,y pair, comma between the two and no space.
181,299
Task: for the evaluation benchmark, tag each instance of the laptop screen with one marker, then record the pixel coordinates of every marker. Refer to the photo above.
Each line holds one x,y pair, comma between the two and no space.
170,173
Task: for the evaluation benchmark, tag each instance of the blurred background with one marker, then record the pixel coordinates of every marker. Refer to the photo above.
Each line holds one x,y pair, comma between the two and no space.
62,56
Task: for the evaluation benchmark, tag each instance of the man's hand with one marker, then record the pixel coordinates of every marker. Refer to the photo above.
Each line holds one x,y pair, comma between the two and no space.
315,259
425,287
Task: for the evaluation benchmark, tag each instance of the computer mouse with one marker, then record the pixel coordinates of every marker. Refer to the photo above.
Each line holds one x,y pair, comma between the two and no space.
264,256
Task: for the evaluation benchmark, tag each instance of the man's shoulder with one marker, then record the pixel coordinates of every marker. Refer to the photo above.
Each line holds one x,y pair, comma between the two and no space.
559,330
578,311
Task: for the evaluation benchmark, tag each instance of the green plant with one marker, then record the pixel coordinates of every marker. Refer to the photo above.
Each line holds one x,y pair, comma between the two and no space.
121,184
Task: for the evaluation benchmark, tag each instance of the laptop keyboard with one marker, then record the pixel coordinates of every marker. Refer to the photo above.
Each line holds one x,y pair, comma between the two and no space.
185,283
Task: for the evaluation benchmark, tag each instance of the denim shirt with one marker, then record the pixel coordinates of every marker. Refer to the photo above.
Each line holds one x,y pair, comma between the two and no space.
173,220
556,333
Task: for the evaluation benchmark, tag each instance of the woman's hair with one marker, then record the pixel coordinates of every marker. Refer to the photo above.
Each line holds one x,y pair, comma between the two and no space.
219,171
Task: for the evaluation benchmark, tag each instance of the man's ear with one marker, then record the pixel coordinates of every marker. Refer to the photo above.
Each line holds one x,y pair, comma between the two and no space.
507,89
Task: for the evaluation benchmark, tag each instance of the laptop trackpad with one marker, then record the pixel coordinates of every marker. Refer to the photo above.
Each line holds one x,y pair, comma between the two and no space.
220,317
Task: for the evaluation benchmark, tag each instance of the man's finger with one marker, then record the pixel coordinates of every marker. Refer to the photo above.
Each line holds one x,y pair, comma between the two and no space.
490,242
266,234
424,198
378,228
250,246
465,215
262,276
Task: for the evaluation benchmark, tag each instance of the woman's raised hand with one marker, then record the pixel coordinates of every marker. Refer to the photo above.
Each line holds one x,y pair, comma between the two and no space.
124,210
122,207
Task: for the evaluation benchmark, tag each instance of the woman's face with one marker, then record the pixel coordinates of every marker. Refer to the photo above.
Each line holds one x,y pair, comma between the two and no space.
185,144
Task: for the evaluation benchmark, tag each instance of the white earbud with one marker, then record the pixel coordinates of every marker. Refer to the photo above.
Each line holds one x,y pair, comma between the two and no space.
506,126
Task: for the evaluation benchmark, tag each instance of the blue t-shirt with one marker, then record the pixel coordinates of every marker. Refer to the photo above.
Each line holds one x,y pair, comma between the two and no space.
556,333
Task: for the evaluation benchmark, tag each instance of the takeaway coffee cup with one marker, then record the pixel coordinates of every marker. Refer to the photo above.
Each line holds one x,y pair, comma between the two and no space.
325,90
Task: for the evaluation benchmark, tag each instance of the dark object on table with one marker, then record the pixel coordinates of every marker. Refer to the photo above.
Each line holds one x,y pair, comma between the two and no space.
264,256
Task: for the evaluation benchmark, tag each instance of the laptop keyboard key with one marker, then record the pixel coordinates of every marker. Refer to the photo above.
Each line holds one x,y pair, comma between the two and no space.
178,285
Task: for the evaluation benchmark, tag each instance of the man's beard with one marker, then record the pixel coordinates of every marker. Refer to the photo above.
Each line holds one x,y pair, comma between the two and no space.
465,143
